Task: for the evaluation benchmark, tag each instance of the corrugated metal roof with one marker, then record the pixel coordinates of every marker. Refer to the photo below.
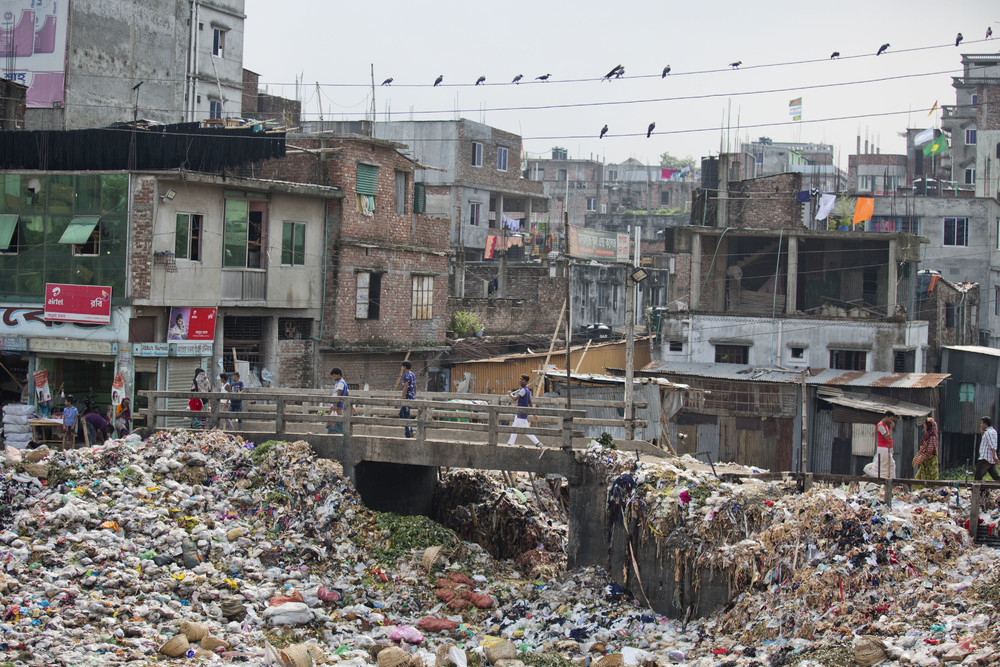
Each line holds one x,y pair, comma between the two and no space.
976,349
597,378
557,353
828,376
876,404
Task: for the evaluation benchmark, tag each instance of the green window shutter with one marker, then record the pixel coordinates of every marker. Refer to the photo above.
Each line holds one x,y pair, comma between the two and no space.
287,231
8,223
419,198
234,236
79,229
367,180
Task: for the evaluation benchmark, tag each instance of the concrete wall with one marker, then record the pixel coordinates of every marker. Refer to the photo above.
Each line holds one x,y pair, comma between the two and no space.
771,341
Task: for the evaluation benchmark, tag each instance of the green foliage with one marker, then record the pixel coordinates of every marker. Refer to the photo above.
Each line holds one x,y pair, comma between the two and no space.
407,533
466,323
958,472
671,162
607,441
261,451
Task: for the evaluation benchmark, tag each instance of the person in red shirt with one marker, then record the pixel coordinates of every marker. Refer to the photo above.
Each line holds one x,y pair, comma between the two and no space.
883,465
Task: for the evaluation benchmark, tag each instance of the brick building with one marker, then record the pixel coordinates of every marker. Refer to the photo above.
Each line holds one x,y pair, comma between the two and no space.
261,106
385,275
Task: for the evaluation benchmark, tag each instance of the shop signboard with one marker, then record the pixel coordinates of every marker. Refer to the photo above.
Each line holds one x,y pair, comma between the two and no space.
13,344
77,303
194,324
188,349
585,243
150,349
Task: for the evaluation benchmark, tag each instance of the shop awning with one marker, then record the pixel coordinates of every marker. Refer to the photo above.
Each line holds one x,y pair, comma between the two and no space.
8,223
79,229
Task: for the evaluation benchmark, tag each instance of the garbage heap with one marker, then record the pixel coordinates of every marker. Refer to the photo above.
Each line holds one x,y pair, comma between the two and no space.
198,548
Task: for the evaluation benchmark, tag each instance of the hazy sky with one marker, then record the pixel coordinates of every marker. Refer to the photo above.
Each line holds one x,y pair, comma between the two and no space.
337,43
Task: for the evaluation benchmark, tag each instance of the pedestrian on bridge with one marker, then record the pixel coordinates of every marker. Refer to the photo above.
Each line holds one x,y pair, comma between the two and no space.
339,389
409,392
523,397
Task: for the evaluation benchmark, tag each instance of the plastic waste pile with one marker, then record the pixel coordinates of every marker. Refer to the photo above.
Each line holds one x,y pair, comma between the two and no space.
199,547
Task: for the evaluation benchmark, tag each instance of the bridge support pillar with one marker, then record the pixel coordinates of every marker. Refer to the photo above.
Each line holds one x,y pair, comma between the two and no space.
395,487
587,524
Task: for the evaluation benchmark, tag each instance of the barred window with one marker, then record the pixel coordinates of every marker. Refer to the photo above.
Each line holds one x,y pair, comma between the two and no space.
423,298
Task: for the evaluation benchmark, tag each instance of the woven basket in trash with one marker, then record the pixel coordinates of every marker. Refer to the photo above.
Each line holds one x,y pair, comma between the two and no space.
176,646
233,609
508,662
431,556
193,631
39,470
318,654
500,650
869,651
377,648
296,655
393,656
210,643
611,660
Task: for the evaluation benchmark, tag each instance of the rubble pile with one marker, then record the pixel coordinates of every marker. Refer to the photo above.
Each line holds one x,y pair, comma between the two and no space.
199,548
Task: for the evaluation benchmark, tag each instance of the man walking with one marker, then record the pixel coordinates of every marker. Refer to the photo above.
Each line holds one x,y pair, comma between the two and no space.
409,381
523,397
339,389
883,465
987,462
236,386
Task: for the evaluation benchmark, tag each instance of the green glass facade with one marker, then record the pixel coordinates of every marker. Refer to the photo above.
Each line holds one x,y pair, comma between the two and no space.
45,205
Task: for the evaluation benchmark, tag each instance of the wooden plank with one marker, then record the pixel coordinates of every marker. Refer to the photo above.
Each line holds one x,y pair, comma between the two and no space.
974,509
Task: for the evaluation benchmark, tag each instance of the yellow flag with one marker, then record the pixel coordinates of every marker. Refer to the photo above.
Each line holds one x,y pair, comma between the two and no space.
933,109
864,209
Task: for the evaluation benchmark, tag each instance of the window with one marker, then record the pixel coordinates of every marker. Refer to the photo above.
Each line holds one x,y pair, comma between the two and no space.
368,295
798,352
732,354
243,234
758,157
400,192
612,174
8,233
214,109
949,315
474,213
294,328
966,392
902,361
477,154
423,298
975,99
956,231
664,197
501,159
84,234
366,187
562,176
970,135
676,346
293,243
591,203
849,360
538,174
187,237
218,42
970,176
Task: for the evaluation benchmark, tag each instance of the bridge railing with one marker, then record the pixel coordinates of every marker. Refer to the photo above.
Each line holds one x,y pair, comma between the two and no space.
281,413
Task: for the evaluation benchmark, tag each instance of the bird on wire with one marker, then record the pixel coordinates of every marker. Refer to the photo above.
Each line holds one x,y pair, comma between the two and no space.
835,54
517,79
544,77
604,130
613,72
437,81
736,64
480,80
387,81
621,72
649,130
958,39
666,71
989,32
882,49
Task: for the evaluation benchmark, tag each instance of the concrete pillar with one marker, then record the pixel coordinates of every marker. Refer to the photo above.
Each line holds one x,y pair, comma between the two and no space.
793,274
695,271
587,544
890,287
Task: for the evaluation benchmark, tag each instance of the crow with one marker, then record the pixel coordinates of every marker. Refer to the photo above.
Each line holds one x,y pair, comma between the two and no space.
736,65
621,72
666,71
882,49
480,80
387,81
958,39
649,130
604,130
544,77
517,79
989,32
438,80
614,70
835,54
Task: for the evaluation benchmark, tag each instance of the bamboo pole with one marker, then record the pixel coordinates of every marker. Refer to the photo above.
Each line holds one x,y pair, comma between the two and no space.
548,355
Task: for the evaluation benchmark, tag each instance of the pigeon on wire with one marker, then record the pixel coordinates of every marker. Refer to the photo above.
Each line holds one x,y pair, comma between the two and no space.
438,80
544,77
517,79
882,49
736,64
387,81
649,130
480,80
613,72
958,39
604,130
835,54
666,71
989,32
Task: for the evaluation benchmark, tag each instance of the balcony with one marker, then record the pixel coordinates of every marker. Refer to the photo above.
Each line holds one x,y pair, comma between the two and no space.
953,111
244,285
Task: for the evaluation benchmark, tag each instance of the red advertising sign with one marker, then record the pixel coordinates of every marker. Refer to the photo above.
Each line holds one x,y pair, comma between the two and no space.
77,303
191,324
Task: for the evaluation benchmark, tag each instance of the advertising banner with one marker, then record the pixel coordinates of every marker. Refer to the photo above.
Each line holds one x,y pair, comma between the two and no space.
33,48
42,386
77,303
587,243
197,324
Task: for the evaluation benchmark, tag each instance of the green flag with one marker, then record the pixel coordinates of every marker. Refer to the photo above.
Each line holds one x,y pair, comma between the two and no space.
939,145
